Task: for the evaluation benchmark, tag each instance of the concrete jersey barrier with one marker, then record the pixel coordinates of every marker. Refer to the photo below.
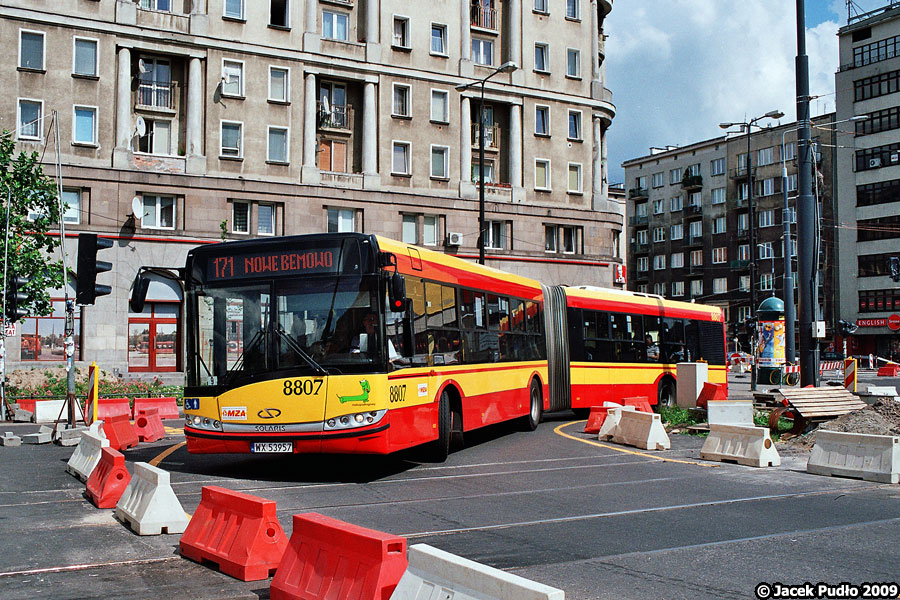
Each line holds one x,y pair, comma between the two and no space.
857,455
641,430
744,445
433,573
87,453
149,506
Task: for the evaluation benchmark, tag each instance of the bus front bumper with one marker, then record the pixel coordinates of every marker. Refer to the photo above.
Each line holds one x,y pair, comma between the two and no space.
365,440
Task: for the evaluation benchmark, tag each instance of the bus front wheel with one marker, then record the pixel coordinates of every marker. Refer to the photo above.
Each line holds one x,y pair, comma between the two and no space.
536,407
665,394
439,449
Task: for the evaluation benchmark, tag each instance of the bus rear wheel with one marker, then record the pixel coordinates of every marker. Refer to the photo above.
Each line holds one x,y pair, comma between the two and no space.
439,449
665,394
535,408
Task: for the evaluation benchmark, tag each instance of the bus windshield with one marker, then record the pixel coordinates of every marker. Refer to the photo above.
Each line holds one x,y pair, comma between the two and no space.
299,325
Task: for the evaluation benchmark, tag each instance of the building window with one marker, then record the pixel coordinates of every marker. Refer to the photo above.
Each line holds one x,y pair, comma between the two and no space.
430,230
743,222
573,9
72,206
400,159
719,225
84,130
440,162
84,57
31,50
157,5
550,238
641,209
659,234
695,199
540,58
574,186
696,258
718,195
439,39
158,138
659,206
657,180
659,262
155,89
341,220
675,204
766,250
279,84
279,15
766,282
744,283
766,156
232,133
677,231
790,151
717,166
400,103
678,260
483,52
696,229
792,182
720,285
496,235
29,119
265,219
233,78
43,338
541,6
643,264
696,288
278,148
440,106
332,156
659,288
575,125
744,252
719,255
409,233
541,120
486,171
234,9
767,217
573,63
675,176
334,25
159,212
643,288
677,289
401,33
541,174
240,217
767,187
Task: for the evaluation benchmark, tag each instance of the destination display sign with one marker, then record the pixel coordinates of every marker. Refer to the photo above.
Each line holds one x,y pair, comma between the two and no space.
272,263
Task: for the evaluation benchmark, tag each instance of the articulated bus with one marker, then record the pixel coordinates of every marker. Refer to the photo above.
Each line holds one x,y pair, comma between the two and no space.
354,343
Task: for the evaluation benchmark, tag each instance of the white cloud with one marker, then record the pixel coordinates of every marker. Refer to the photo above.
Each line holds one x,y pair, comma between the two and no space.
677,68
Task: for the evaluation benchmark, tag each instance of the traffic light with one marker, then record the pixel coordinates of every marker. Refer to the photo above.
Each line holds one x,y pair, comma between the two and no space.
16,297
87,289
846,327
894,263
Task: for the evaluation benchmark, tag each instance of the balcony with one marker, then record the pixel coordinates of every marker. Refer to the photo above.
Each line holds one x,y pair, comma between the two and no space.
694,209
640,246
335,116
638,192
739,264
692,182
484,17
742,233
638,220
157,96
694,240
491,136
740,172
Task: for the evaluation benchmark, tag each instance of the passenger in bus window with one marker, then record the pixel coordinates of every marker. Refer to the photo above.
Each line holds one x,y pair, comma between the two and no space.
652,348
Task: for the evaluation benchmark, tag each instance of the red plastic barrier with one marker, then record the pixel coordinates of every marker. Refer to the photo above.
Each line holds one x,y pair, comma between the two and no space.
27,403
108,480
711,391
889,370
239,533
120,432
113,407
167,407
148,426
640,403
598,416
327,558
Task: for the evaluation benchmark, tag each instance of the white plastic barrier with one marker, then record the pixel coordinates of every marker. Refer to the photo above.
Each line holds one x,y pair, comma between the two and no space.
49,411
433,574
613,416
857,455
744,445
87,453
729,412
149,504
643,430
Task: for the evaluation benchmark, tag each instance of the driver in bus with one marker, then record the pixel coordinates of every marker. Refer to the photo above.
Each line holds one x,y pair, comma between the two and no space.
362,344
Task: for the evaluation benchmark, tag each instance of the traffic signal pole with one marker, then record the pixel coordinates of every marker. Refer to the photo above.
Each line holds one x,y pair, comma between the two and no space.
3,415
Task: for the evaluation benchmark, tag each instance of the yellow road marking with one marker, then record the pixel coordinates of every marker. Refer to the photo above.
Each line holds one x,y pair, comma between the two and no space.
174,430
165,453
558,431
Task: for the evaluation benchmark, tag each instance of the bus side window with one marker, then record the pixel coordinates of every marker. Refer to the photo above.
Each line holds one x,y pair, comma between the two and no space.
651,338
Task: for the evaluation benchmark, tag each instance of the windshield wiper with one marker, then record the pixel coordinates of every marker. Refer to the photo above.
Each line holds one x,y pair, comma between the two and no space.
293,345
239,363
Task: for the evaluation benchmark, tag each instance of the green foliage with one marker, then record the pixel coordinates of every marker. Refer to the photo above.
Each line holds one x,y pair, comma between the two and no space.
31,246
224,227
56,386
675,416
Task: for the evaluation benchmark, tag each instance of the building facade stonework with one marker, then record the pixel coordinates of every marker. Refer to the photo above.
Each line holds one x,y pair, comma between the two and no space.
229,119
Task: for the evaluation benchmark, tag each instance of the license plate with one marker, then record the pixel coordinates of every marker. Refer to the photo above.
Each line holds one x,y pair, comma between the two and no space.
271,447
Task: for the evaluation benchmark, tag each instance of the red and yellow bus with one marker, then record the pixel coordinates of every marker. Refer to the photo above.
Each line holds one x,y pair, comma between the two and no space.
354,343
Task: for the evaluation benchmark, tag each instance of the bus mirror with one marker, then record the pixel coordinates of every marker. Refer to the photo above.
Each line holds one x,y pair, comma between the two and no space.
139,292
397,292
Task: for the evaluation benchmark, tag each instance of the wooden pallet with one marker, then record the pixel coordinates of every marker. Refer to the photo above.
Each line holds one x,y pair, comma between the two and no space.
814,405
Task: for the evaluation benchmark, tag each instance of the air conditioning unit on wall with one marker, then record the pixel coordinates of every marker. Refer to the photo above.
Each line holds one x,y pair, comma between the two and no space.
874,163
454,239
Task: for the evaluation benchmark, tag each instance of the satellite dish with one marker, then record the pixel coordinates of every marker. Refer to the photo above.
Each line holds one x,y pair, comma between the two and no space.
137,207
140,126
142,67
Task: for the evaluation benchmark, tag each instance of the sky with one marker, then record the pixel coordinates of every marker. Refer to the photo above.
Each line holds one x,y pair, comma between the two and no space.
678,68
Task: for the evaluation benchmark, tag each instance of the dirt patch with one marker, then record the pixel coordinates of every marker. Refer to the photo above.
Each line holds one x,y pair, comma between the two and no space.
36,379
882,418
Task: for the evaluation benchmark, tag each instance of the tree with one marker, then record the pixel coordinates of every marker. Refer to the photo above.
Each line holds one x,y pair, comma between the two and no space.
31,247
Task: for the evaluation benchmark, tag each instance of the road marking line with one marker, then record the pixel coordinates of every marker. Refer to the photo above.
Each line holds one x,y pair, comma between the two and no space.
118,563
155,462
558,431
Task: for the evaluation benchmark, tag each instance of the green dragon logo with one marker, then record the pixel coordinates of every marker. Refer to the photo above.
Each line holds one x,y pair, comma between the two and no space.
363,397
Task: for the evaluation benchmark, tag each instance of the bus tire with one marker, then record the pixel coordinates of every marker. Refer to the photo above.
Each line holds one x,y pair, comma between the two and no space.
665,394
535,407
439,449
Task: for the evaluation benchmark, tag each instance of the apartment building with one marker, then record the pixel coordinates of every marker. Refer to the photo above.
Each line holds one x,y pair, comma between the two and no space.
868,170
689,220
228,119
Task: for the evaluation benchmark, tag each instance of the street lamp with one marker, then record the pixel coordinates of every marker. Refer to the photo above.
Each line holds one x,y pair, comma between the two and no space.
507,67
748,125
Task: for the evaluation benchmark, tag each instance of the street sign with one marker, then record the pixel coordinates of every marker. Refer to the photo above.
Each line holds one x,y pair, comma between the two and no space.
893,322
10,329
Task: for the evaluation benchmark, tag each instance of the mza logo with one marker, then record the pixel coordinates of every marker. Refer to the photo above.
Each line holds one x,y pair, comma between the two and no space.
234,413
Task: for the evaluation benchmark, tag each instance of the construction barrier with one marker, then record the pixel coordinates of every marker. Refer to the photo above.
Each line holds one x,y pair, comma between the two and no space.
113,407
739,444
92,400
640,403
108,480
856,455
712,391
641,430
598,416
328,558
850,374
167,407
431,570
148,426
50,411
149,505
613,416
120,432
889,370
87,454
44,435
832,365
238,533
729,412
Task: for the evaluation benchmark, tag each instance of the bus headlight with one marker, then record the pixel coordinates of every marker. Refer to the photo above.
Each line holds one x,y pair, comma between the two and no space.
355,420
358,417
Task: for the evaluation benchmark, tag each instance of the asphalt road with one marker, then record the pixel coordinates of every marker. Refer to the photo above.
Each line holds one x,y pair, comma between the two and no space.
594,519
